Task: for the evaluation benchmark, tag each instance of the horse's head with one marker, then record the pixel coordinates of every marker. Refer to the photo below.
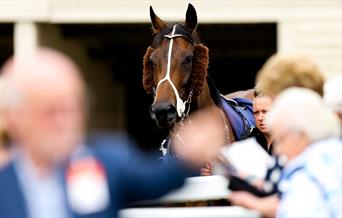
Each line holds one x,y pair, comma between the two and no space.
175,68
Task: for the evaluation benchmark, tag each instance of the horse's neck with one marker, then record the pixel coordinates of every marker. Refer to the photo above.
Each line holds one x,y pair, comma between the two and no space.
204,99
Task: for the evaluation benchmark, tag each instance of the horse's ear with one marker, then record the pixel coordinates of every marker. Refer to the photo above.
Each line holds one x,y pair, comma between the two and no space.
199,68
157,23
148,78
191,18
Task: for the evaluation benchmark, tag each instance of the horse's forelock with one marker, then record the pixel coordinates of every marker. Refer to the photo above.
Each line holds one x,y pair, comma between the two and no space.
181,29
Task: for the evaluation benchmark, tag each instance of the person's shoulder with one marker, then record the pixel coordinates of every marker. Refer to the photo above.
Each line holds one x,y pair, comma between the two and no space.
112,146
254,131
7,174
324,151
324,158
6,168
107,138
318,165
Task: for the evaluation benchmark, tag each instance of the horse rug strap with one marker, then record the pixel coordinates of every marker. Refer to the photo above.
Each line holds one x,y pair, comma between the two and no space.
240,114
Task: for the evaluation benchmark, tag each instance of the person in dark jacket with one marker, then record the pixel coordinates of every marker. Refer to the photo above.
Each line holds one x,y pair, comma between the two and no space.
261,105
56,171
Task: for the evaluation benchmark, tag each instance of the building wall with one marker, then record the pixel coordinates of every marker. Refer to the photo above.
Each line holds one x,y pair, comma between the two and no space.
107,104
311,26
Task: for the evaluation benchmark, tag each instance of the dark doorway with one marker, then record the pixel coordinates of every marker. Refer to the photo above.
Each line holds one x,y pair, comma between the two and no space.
6,41
236,51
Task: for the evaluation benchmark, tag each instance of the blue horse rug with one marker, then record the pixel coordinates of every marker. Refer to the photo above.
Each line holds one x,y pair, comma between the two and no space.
240,114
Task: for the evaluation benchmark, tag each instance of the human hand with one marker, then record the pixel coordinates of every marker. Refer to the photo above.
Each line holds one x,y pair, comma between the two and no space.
199,140
244,199
206,170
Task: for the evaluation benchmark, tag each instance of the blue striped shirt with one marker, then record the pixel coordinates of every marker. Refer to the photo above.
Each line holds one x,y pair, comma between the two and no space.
311,184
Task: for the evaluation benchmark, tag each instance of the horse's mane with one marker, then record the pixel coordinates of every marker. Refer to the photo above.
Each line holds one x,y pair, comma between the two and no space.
181,29
214,92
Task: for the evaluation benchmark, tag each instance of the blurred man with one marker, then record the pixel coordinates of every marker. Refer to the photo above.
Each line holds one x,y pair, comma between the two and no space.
54,173
306,133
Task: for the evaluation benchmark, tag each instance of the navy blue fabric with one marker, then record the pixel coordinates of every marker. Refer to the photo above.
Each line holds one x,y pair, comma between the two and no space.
132,176
12,203
277,166
240,114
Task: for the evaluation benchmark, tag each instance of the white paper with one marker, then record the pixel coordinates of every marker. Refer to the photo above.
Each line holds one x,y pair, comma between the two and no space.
248,157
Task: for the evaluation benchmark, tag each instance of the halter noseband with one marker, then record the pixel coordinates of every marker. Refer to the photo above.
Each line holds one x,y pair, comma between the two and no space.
180,105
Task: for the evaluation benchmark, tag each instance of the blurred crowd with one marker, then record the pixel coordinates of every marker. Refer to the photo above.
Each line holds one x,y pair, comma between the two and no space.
52,167
304,128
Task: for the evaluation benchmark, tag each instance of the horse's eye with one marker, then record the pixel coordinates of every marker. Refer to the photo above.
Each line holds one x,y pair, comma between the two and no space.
151,62
188,59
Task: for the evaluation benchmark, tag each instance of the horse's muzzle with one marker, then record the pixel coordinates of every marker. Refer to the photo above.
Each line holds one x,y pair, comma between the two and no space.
164,114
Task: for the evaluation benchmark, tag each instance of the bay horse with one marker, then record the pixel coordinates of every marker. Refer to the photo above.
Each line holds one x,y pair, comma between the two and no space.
175,71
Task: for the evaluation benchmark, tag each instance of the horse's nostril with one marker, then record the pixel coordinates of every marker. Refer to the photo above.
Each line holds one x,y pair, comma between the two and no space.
171,112
163,112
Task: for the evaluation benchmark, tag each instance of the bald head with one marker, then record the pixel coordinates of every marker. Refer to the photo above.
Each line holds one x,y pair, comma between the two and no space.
46,71
47,114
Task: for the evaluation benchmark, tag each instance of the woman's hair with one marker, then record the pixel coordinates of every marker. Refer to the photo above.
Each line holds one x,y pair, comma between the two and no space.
303,110
284,71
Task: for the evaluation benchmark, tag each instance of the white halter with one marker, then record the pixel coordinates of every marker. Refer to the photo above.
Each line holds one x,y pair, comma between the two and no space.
180,105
